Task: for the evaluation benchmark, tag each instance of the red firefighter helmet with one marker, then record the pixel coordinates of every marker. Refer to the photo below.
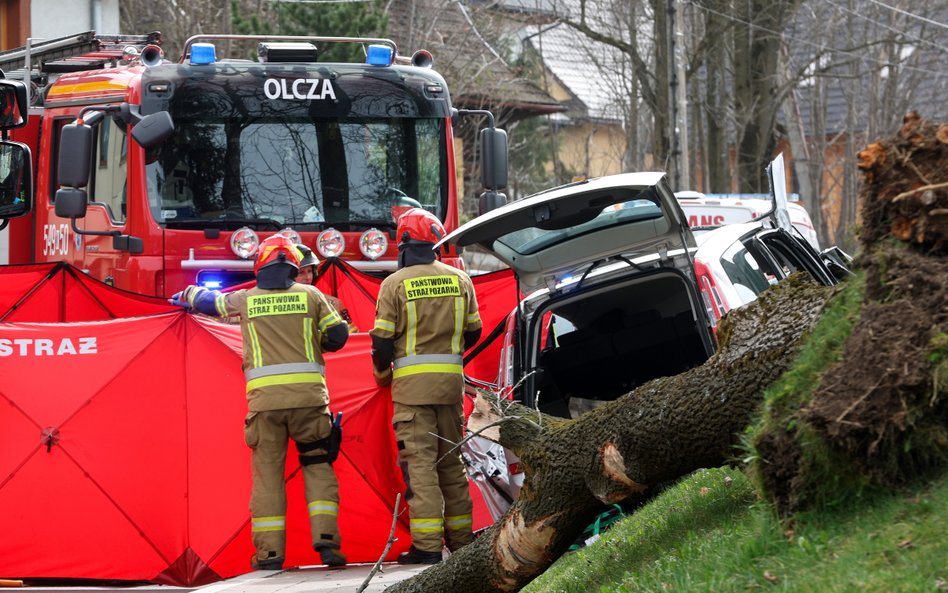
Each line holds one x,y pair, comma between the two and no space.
277,249
419,225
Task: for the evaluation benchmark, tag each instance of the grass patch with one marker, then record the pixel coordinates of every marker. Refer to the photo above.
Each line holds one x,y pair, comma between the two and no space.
705,535
823,349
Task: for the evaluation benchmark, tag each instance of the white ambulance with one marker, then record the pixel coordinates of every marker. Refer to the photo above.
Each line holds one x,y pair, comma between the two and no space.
706,211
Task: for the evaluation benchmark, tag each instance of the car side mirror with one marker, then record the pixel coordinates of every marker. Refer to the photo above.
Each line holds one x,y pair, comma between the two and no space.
838,262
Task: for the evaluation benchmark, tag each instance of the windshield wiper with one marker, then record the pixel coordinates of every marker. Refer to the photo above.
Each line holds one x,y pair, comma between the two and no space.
223,223
257,222
355,225
385,224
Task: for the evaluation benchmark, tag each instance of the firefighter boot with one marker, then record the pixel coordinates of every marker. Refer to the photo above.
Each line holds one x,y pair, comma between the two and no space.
330,556
416,556
271,562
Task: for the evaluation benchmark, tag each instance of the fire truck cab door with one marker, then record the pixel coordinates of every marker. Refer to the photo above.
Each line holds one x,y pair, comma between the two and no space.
107,211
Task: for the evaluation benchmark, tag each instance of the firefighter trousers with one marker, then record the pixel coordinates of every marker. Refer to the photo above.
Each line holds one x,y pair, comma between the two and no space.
439,501
267,434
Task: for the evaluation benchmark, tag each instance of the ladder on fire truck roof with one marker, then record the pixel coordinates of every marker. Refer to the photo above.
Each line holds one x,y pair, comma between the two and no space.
46,59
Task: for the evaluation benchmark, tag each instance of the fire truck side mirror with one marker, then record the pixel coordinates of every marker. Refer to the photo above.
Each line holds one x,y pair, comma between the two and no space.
493,158
129,243
490,200
71,202
153,129
16,180
75,154
13,104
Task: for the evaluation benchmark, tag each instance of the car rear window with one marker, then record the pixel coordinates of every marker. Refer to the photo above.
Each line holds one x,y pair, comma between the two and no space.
530,240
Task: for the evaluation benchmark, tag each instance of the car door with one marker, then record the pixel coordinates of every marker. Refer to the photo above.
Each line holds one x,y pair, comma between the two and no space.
791,254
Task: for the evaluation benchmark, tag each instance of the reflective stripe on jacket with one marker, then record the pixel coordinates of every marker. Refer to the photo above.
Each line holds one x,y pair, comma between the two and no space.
428,363
282,331
426,309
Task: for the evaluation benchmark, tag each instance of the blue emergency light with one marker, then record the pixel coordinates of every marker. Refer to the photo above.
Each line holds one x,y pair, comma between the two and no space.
378,55
213,281
203,53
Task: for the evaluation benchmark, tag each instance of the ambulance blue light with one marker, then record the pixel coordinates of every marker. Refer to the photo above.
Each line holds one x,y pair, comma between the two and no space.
378,55
202,53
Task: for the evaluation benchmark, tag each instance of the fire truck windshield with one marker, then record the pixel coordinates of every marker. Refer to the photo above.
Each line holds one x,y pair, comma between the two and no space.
307,173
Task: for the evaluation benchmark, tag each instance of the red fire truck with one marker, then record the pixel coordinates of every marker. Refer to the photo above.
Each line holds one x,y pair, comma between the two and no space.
151,174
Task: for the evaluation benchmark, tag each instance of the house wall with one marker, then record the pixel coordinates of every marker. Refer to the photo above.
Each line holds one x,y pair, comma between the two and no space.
57,18
14,23
832,198
459,177
591,150
586,148
46,19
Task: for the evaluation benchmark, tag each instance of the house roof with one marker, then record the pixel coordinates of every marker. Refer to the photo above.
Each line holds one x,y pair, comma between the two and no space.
590,71
475,71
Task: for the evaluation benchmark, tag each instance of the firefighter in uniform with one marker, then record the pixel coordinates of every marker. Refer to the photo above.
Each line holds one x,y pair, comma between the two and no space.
426,317
286,327
307,275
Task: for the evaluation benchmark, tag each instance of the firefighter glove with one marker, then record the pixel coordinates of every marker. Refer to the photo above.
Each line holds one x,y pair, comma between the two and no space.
383,377
335,438
177,299
186,297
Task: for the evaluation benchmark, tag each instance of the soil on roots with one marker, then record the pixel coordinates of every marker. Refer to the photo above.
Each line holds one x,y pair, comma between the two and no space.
873,404
905,187
881,407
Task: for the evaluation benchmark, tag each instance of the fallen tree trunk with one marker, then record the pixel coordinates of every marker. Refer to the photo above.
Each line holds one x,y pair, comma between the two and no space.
660,431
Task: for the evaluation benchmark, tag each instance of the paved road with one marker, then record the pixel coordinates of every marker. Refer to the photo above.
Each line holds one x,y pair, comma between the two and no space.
305,579
316,579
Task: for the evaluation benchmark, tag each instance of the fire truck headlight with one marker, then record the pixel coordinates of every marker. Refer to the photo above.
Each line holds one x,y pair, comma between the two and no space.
291,235
244,242
373,243
330,243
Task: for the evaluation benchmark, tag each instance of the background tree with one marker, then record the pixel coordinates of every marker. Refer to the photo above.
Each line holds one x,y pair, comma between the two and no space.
819,78
337,19
532,150
859,67
178,21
